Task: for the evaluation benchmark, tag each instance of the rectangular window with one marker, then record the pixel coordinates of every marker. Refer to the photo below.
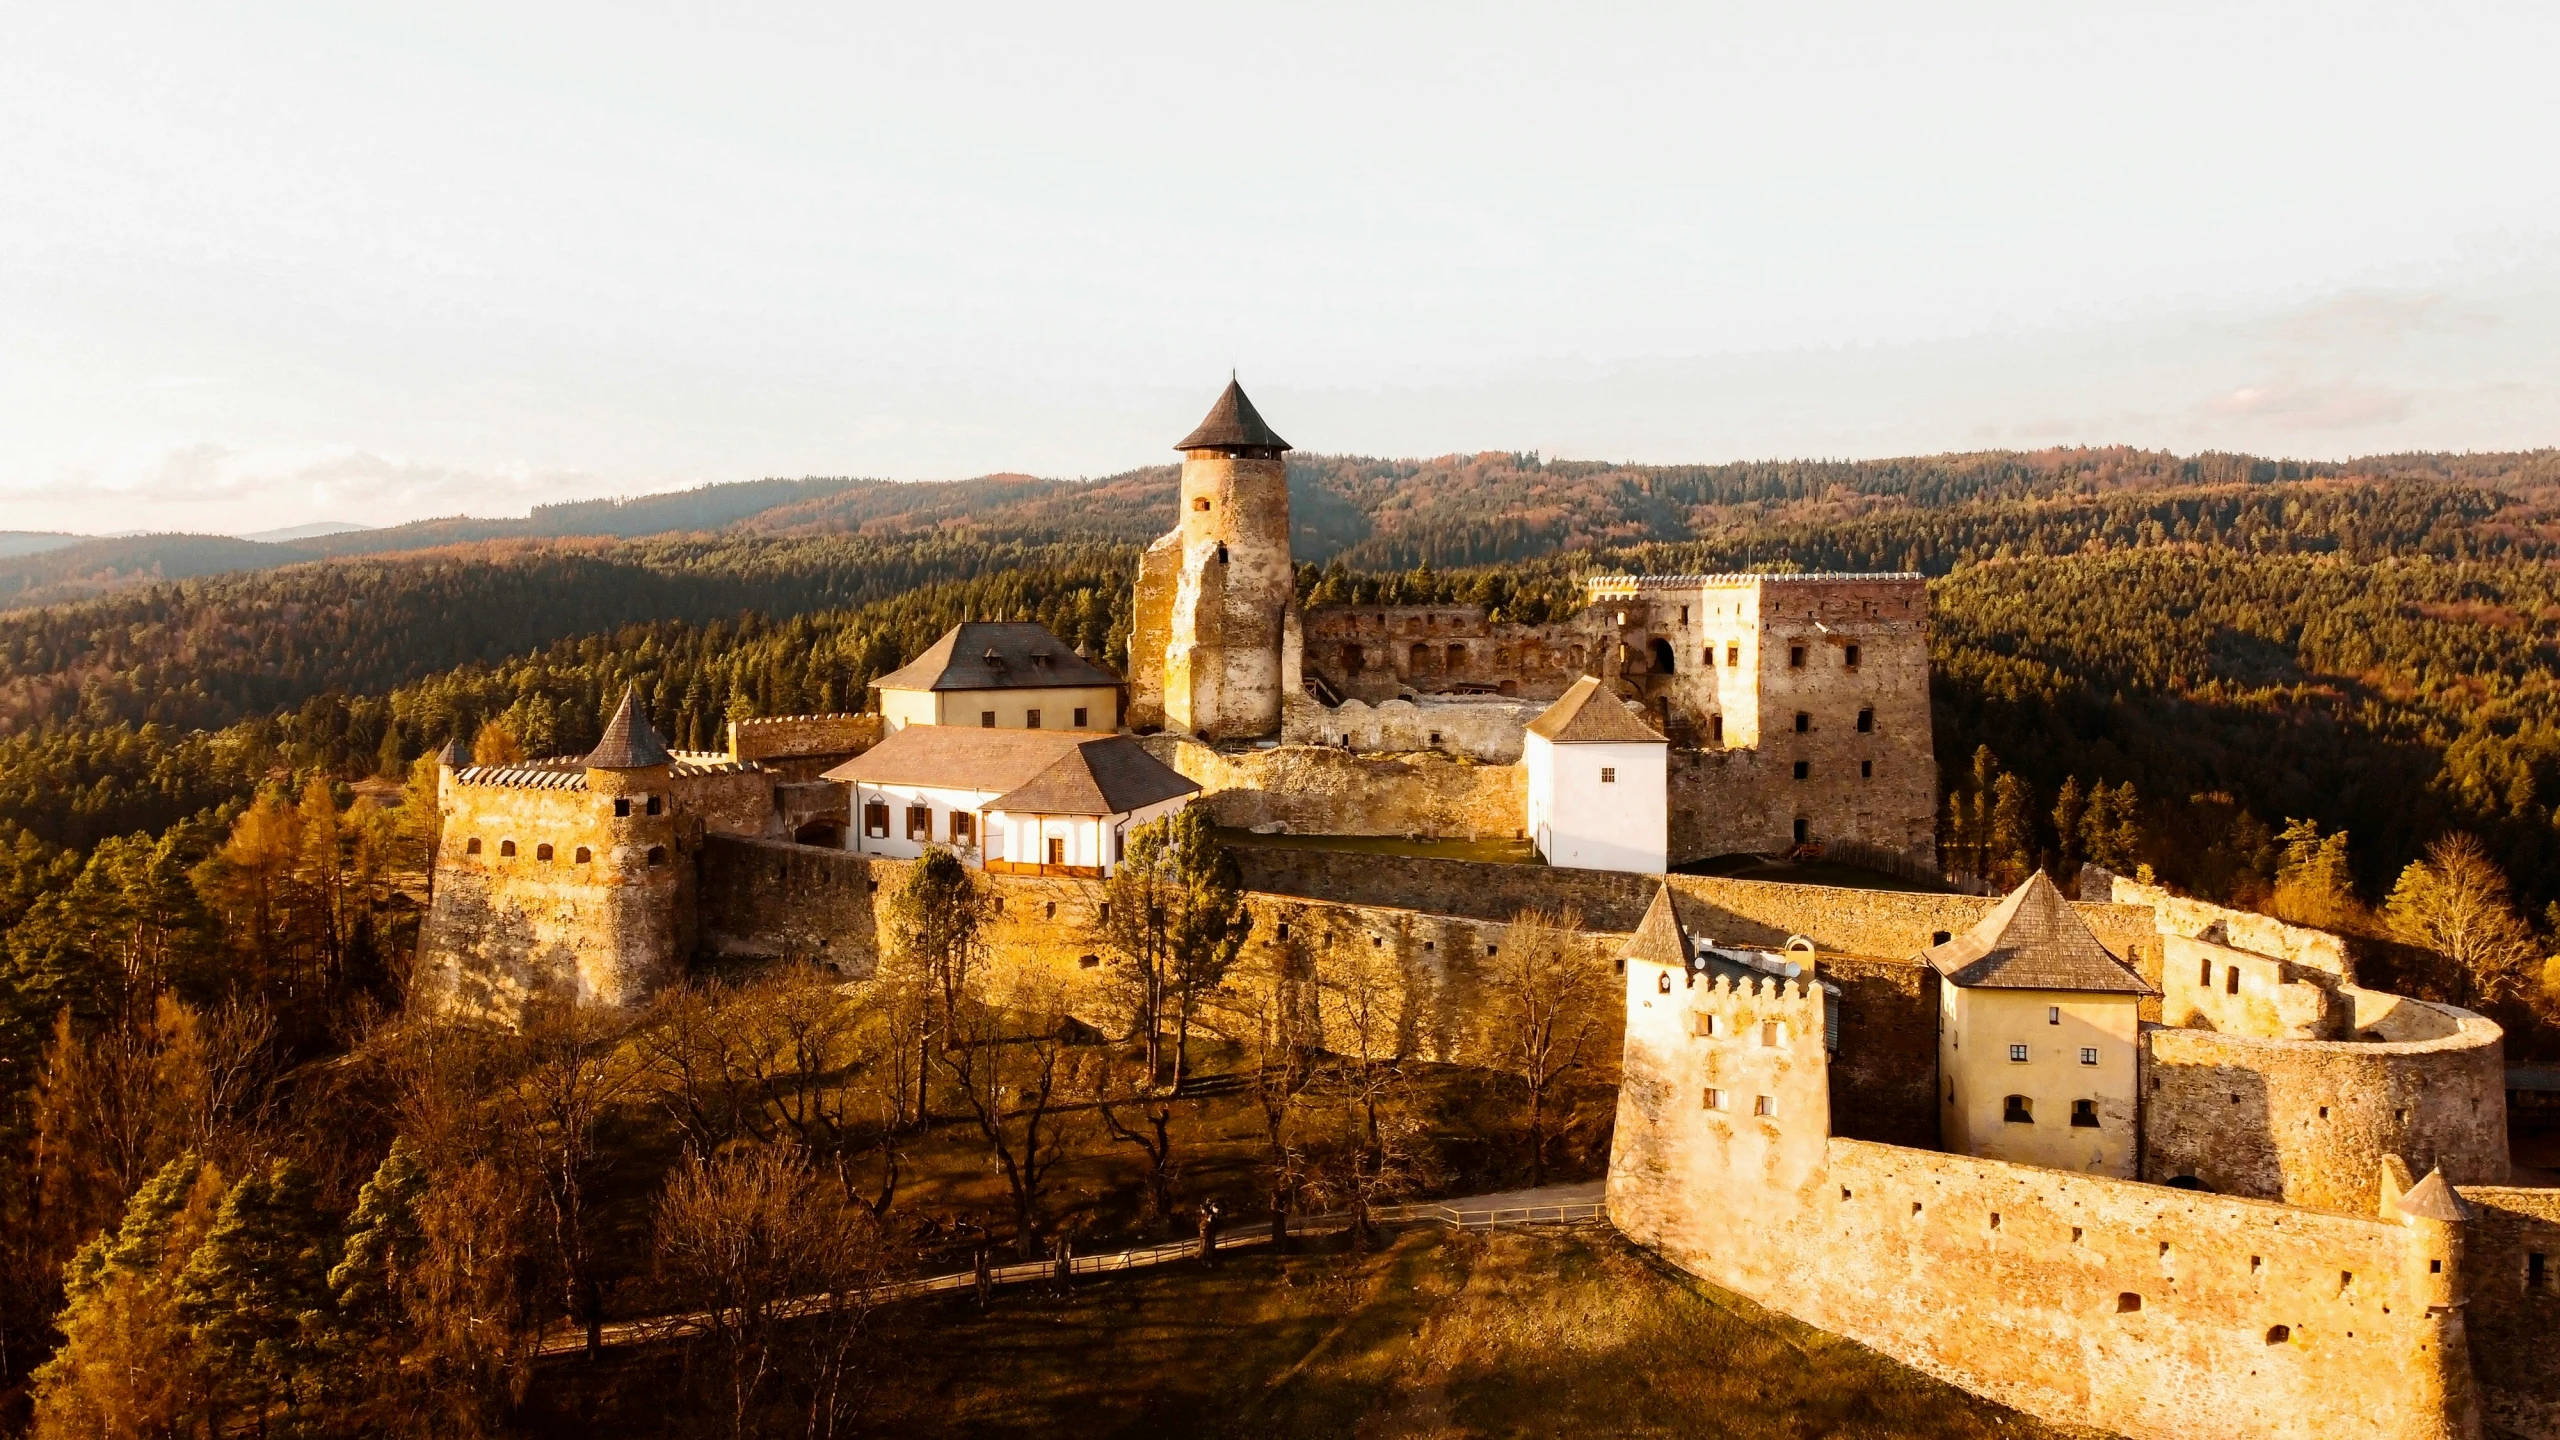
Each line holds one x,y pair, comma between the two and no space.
1851,655
986,719
2053,1014
1769,1033
2231,981
2537,1271
1057,851
1866,722
1684,614
1866,769
1804,723
1030,719
1080,717
875,819
1732,653
2018,1053
1804,769
1715,1098
2088,1054
1608,774
1795,657
919,822
1715,727
1765,1106
964,828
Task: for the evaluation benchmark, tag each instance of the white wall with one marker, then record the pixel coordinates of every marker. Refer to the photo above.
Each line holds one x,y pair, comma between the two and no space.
1580,820
895,845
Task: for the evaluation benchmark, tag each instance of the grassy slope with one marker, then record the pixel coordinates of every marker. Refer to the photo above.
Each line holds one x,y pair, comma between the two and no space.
1548,1333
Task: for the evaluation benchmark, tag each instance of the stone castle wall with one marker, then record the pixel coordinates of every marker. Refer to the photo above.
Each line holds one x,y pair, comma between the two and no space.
1489,729
2510,1320
1319,790
2095,1301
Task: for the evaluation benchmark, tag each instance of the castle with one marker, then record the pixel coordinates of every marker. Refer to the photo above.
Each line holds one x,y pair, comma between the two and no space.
2128,1161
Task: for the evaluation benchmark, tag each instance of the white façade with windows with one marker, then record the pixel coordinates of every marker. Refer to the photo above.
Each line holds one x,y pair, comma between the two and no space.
1023,802
1599,784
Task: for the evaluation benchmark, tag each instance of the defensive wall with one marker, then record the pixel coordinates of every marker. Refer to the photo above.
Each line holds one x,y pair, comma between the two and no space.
2084,1299
1322,790
2511,1278
1485,728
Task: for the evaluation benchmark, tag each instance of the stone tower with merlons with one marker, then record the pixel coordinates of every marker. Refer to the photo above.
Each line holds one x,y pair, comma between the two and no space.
1214,595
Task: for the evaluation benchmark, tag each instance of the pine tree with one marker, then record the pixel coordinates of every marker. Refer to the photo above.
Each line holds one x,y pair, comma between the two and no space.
382,1239
256,1292
127,1366
2013,831
2069,808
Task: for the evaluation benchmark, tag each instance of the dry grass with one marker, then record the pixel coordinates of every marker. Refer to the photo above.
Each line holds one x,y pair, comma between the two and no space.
1437,1335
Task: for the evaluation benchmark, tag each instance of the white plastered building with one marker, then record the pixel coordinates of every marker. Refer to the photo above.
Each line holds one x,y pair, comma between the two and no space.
1599,784
1025,802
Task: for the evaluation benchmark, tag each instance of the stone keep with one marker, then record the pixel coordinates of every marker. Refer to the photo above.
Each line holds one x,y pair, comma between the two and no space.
1214,595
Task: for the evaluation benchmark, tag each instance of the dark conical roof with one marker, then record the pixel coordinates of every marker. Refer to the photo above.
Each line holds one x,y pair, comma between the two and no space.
455,755
1233,424
630,742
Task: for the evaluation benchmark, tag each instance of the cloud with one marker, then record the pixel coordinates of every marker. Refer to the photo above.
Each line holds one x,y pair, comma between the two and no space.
2331,405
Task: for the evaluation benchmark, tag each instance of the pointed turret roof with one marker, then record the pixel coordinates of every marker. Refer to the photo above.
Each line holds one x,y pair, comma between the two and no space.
455,755
2034,940
1588,715
1233,424
630,742
1659,939
2434,1199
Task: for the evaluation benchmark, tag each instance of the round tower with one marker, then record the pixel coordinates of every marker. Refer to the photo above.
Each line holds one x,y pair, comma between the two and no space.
1234,582
635,864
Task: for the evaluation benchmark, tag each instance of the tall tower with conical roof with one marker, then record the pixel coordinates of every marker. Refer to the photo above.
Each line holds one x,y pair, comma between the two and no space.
1214,594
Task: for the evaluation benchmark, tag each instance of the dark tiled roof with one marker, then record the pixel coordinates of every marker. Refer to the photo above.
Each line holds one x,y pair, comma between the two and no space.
2034,940
1110,776
1659,940
996,655
1233,424
630,742
1049,772
1588,715
455,755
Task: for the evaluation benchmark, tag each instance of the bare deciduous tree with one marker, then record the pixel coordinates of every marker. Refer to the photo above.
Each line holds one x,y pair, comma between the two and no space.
2455,903
1011,1066
1548,1004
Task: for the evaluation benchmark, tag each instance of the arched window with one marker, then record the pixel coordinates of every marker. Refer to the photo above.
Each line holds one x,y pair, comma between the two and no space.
657,855
542,852
506,849
1353,657
1419,658
2084,1113
1662,655
1457,655
585,855
2018,1110
471,846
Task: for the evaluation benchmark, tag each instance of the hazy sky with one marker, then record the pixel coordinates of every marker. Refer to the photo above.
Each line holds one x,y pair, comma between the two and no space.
267,264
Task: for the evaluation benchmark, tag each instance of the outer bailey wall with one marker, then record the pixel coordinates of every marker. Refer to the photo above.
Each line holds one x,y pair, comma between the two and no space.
2511,1325
2308,1122
1319,790
775,899
1899,1249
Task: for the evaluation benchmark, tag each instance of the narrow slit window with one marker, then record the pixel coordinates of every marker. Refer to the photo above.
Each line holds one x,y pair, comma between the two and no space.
1866,722
2231,981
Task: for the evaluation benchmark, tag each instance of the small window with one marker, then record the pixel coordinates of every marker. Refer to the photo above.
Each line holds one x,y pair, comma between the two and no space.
2127,1303
1057,851
986,719
1715,1026
1222,552
2018,1053
1684,614
2537,1271
2017,1110
1030,719
2231,981
2088,1054
875,819
1940,937
1804,769
1080,717
1662,982
1434,741
2279,1334
1866,722
1795,657
542,852
655,805
585,855
1050,912
1995,1219
1732,653
964,828
1714,1098
1769,1033
2084,1114
657,855
2204,973
1804,829
2053,1014
1608,774
919,822
621,806
1765,1106
1088,961
1715,728
1850,654
1866,769
507,849
1283,930
471,846
1200,503
1804,722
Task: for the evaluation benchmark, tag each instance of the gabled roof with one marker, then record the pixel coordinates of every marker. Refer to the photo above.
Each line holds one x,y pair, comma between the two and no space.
630,742
2034,940
1659,940
1047,772
1233,424
2433,1199
996,655
1590,715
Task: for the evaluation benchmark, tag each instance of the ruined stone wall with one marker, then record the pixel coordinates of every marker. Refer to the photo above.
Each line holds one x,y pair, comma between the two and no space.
2082,1299
778,737
1374,653
1150,627
1488,729
2309,1122
2510,1319
2239,929
2206,986
727,798
1314,790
